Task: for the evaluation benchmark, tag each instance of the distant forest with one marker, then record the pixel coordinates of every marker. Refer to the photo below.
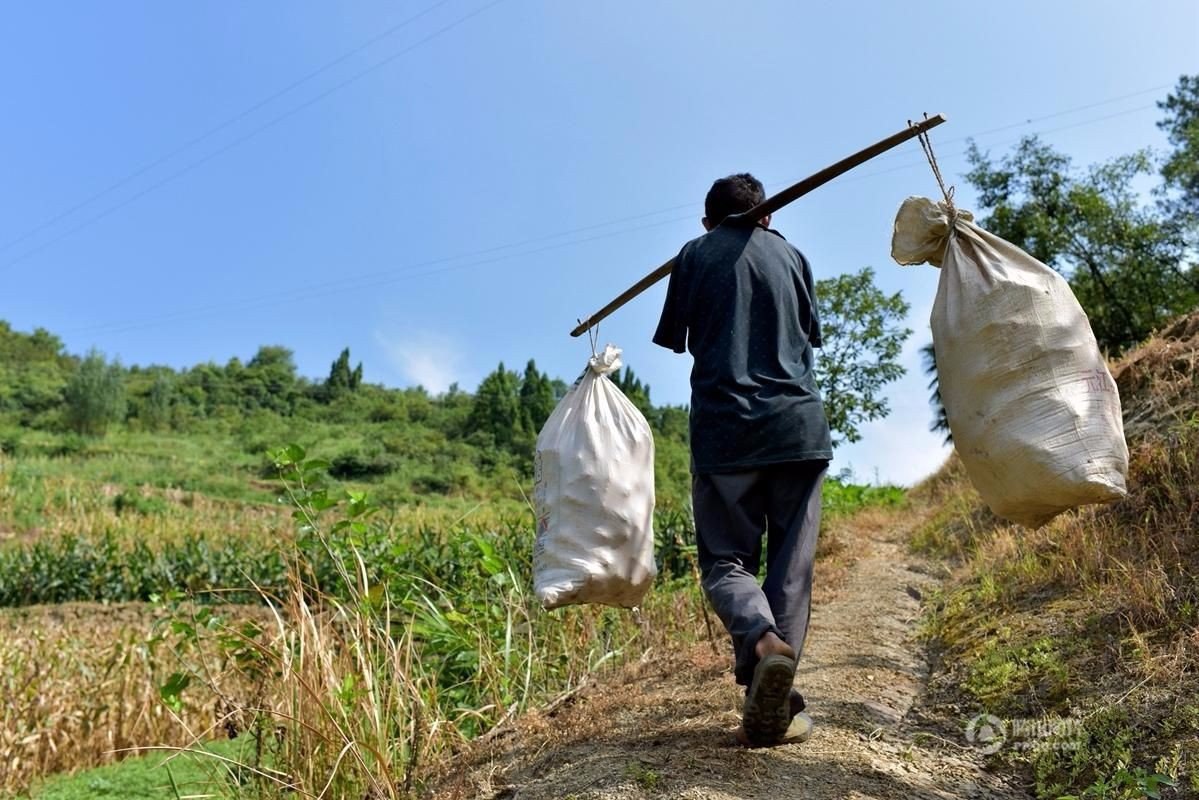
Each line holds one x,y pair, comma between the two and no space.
455,443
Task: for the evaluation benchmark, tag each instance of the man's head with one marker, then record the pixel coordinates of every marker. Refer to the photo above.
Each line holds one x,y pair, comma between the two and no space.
732,195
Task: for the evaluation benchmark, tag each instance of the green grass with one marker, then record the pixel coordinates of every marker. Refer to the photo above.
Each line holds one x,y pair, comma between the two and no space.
157,776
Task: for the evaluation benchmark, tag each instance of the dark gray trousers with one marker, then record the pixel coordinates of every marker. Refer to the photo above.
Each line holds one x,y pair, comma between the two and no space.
732,511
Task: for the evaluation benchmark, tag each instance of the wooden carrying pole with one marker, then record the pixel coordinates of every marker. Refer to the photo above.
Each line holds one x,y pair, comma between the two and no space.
773,204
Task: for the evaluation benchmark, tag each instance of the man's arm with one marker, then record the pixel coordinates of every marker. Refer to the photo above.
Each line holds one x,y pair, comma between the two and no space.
672,327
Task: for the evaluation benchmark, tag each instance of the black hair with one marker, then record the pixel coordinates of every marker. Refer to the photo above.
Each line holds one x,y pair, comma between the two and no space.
732,195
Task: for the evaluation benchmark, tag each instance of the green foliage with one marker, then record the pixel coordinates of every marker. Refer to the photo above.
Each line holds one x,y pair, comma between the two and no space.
94,396
496,411
210,425
634,389
1005,669
341,378
268,380
842,498
537,399
362,464
648,779
1125,259
148,777
1180,170
1124,785
70,568
863,339
137,503
33,373
940,423
155,411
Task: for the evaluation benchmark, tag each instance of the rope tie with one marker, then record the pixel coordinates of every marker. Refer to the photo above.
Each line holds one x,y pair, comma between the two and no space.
593,338
926,145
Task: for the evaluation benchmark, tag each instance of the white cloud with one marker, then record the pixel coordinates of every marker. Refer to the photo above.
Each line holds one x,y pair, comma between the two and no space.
427,359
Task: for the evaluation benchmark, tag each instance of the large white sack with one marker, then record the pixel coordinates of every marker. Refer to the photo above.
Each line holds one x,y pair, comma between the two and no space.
1034,412
594,495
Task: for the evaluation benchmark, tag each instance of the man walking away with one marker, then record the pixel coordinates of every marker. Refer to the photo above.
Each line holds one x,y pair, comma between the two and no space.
741,300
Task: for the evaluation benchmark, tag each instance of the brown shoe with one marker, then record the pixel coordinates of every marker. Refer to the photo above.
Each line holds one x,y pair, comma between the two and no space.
767,711
799,729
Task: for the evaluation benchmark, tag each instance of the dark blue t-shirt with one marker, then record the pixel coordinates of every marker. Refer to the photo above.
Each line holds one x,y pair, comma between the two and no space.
741,300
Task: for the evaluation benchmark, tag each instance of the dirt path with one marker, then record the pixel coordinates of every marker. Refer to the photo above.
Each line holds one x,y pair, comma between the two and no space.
663,728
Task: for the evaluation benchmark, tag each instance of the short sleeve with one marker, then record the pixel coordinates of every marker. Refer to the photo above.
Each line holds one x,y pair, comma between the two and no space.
672,327
814,335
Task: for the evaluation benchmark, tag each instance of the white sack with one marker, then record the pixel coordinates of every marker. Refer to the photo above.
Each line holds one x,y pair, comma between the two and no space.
594,496
1034,412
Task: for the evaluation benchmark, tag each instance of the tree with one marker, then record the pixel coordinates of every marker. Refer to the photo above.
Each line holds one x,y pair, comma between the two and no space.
269,380
156,410
1124,258
33,372
1180,171
634,389
341,378
95,395
536,399
940,423
496,408
863,338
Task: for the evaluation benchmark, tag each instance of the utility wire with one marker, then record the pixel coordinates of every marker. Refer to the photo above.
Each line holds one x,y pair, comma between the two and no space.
190,143
353,78
1005,142
245,137
344,282
324,68
361,282
1034,120
491,255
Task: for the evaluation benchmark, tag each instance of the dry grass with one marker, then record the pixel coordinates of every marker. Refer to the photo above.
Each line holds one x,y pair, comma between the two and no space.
79,686
352,706
33,506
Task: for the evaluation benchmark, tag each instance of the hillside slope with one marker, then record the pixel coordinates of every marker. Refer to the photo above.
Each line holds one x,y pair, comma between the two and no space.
1092,618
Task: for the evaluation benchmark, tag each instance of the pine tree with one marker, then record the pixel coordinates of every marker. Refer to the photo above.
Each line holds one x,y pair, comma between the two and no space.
496,408
536,398
341,378
634,389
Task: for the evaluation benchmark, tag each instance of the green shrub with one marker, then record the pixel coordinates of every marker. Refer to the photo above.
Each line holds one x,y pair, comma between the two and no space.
130,501
357,465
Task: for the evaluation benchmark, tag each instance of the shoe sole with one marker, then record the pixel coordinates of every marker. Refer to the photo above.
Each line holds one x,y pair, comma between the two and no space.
767,716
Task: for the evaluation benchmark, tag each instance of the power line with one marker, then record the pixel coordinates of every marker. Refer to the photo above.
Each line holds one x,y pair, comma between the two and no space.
220,127
1076,109
1042,118
290,293
246,137
361,282
1005,142
399,274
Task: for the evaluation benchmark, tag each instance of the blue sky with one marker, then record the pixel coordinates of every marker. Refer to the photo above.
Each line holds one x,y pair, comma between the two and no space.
185,182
